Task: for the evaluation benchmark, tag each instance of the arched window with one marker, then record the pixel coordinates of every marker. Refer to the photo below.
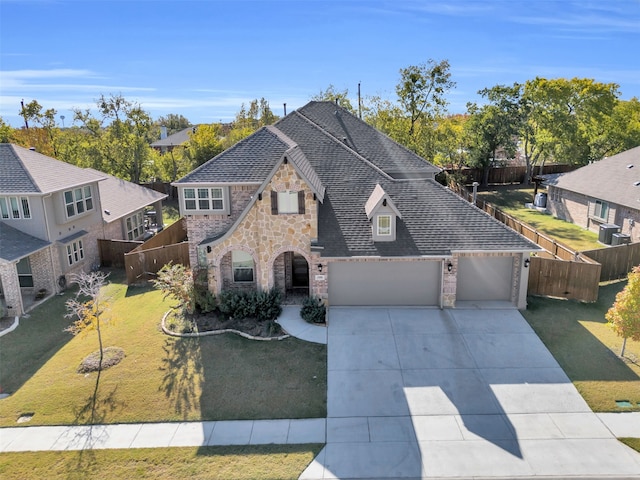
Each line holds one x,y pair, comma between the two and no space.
242,264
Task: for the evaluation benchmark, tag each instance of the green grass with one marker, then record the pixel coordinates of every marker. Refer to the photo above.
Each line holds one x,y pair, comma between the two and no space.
161,378
268,462
588,350
512,201
631,442
170,212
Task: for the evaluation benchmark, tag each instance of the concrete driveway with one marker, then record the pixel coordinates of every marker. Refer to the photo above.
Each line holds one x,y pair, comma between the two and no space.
425,393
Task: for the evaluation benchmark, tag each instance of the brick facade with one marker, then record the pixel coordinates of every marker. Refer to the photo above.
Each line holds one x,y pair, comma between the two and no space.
578,209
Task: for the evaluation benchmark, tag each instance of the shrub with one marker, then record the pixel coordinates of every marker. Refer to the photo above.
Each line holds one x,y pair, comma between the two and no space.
313,310
259,305
205,301
177,281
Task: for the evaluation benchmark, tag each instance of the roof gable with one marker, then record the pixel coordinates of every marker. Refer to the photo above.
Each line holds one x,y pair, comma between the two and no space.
612,179
379,197
31,172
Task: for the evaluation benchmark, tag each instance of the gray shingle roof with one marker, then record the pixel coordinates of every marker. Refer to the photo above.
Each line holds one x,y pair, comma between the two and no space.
609,179
435,221
16,244
121,198
175,139
26,171
248,161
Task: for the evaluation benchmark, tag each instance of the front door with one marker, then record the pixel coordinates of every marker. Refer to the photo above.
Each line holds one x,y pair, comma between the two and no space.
300,271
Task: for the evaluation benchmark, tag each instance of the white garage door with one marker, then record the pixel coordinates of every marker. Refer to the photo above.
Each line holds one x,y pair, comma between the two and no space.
384,283
484,278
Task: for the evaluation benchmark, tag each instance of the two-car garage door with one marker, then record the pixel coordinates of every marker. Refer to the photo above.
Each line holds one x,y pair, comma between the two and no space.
385,283
418,283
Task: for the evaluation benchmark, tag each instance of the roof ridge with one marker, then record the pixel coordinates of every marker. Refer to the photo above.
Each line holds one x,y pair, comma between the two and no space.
24,167
346,147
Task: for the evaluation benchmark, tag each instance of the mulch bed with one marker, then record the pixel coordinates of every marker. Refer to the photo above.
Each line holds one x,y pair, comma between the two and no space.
212,322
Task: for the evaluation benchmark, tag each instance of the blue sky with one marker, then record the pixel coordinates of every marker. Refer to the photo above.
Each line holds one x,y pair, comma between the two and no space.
203,59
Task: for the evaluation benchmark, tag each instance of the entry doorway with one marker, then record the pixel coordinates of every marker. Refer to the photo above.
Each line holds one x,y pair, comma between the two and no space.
299,271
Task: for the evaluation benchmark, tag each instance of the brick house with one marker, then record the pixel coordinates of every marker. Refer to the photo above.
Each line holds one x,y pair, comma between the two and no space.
51,217
606,192
324,204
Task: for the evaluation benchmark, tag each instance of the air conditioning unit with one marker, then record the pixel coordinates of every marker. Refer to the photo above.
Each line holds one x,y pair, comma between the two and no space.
620,239
606,233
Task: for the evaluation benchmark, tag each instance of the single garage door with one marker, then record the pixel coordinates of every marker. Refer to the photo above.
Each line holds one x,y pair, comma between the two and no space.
384,283
484,278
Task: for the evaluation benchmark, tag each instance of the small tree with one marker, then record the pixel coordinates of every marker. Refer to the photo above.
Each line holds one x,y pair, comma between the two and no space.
624,316
177,281
88,306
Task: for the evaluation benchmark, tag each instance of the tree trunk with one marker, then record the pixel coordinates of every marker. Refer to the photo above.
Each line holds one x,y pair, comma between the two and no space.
624,344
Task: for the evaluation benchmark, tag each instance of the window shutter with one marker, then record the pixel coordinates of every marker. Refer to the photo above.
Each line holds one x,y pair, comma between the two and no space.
274,203
300,201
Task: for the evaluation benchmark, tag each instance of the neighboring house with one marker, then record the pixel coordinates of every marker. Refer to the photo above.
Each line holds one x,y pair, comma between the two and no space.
606,192
51,217
168,143
324,204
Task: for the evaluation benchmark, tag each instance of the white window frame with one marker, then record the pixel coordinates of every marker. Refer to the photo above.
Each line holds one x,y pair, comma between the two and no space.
383,231
240,261
135,226
600,206
75,252
15,208
81,201
288,202
203,199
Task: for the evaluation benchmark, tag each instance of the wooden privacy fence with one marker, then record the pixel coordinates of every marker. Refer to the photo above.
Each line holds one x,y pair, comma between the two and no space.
564,279
508,175
616,261
167,246
112,251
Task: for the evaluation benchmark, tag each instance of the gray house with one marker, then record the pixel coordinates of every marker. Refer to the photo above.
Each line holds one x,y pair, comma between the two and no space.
324,204
51,217
606,192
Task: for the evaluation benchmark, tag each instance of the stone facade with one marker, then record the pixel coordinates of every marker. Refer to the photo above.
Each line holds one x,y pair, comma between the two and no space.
265,236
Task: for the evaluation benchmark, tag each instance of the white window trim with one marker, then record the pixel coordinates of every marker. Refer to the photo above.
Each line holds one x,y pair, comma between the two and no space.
22,211
288,202
378,228
598,206
85,200
197,198
134,226
75,252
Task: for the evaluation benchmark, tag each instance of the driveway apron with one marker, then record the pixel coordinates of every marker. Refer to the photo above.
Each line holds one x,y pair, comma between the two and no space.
428,393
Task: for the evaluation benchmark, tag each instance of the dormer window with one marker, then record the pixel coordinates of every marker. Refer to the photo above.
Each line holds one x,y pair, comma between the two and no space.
384,225
383,214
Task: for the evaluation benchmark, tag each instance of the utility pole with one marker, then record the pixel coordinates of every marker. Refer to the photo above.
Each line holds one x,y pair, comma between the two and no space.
359,103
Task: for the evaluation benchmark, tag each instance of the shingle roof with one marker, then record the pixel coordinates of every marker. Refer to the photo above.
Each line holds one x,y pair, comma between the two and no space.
26,171
121,198
175,139
16,244
248,161
610,179
435,221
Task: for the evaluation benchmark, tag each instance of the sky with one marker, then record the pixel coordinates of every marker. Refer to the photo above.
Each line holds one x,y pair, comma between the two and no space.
204,58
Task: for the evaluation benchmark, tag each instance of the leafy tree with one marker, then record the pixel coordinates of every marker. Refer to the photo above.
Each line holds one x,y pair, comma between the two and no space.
451,145
258,115
44,131
6,132
422,91
174,123
88,307
624,316
330,94
204,144
176,281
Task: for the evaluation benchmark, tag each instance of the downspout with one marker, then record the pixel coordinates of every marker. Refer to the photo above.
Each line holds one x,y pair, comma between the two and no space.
442,284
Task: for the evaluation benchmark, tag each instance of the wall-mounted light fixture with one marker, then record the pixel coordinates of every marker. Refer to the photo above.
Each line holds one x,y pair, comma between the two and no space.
526,263
449,267
320,267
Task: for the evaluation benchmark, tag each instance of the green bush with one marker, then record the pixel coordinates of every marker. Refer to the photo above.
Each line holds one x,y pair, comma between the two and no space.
259,305
313,310
205,300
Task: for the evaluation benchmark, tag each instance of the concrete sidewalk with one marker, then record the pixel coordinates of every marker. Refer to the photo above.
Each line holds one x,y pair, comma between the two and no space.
157,435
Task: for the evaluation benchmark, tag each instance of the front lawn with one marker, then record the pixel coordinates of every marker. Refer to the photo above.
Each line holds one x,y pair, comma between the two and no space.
587,349
266,462
161,378
512,199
